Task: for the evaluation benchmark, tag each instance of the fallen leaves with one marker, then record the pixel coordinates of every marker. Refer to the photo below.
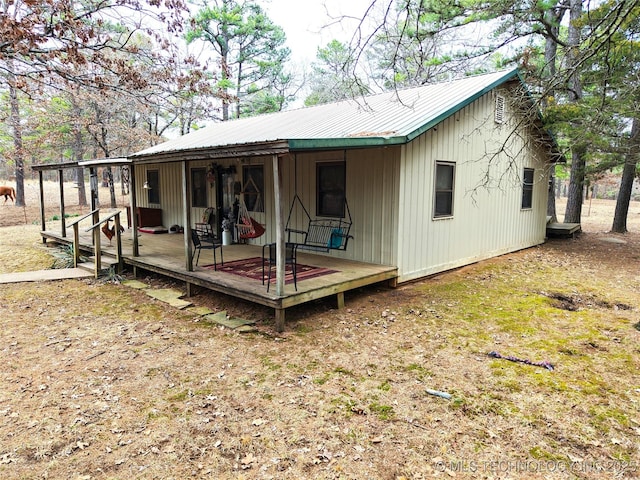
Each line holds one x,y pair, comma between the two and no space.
166,397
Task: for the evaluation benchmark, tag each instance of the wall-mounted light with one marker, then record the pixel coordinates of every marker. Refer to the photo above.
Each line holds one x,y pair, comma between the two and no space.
146,186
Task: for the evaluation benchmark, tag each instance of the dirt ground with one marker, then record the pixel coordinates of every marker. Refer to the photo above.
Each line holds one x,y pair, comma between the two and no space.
101,382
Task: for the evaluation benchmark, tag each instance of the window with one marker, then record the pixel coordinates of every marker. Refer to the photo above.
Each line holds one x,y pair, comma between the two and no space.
199,187
330,189
443,205
253,189
527,188
153,186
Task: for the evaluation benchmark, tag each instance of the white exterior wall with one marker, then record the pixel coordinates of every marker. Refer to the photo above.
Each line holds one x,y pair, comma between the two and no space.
391,195
487,220
372,194
170,177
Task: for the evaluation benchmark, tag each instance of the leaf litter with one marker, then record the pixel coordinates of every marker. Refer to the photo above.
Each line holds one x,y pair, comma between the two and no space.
119,385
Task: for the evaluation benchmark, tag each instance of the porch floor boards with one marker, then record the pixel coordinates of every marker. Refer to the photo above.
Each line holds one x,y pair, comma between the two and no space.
165,254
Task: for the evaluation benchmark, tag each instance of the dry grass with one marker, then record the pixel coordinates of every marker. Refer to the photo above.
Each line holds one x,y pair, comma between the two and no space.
99,381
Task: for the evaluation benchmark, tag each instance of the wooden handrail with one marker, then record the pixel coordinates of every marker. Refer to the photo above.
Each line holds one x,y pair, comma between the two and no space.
78,220
96,240
102,220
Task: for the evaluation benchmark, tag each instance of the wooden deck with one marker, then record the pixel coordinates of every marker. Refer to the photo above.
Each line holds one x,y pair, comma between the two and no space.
165,254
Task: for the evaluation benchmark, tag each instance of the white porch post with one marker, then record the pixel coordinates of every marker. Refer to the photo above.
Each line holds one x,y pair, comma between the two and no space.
186,215
133,206
280,248
43,221
63,220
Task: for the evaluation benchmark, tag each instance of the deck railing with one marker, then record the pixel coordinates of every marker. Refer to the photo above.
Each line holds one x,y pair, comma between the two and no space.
95,229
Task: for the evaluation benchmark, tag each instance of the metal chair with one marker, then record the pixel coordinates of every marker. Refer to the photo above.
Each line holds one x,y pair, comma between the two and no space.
269,256
205,244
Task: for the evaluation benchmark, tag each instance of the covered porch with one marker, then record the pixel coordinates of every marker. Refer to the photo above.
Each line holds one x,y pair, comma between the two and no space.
165,254
170,254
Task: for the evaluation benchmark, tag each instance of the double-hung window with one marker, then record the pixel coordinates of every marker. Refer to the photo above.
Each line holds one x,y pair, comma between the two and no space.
527,188
331,185
445,181
253,189
199,187
153,186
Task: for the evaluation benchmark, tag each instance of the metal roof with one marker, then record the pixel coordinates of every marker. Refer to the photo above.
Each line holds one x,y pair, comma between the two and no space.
84,163
96,162
385,119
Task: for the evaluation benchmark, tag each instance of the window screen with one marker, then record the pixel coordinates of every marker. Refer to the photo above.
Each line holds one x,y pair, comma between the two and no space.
527,188
330,190
443,204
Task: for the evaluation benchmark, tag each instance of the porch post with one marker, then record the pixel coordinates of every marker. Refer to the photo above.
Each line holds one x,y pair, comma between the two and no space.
43,221
280,246
186,215
132,209
63,221
93,185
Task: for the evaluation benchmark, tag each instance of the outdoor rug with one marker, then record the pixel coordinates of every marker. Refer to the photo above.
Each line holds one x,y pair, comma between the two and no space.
252,268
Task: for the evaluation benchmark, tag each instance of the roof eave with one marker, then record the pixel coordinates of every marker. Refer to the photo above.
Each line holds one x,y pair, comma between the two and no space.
54,166
279,147
301,144
97,162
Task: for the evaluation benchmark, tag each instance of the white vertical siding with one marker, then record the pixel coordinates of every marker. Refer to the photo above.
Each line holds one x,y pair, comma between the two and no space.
391,193
487,216
170,177
372,194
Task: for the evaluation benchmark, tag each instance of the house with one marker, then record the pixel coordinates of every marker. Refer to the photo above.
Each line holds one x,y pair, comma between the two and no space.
430,178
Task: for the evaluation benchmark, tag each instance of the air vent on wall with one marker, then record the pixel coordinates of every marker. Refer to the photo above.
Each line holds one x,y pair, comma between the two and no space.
499,113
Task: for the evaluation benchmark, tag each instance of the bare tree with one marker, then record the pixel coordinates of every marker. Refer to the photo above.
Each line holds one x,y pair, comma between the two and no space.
59,42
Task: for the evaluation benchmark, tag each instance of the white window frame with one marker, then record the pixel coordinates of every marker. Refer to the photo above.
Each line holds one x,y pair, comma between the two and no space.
527,188
439,192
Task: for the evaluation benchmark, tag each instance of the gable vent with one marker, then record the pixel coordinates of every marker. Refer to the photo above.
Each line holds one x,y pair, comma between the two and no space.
499,113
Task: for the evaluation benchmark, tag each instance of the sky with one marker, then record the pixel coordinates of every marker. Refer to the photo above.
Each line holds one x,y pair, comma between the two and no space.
303,22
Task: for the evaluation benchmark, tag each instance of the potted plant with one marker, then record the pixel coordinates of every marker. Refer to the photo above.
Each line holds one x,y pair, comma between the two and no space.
227,225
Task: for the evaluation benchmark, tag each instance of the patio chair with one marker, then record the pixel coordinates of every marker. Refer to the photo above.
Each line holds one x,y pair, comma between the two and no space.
269,257
205,244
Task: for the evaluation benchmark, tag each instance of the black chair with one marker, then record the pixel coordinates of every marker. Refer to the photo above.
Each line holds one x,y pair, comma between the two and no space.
269,256
205,244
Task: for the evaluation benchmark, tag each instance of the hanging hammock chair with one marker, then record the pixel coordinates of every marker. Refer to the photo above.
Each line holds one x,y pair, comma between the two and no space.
248,227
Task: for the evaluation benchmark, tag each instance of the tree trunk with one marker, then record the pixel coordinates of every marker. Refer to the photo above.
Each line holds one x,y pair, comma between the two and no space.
108,169
573,212
78,153
626,184
551,200
224,68
112,190
82,191
16,125
553,18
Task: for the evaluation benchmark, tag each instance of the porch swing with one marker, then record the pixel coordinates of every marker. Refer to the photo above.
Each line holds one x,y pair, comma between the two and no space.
248,227
322,234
